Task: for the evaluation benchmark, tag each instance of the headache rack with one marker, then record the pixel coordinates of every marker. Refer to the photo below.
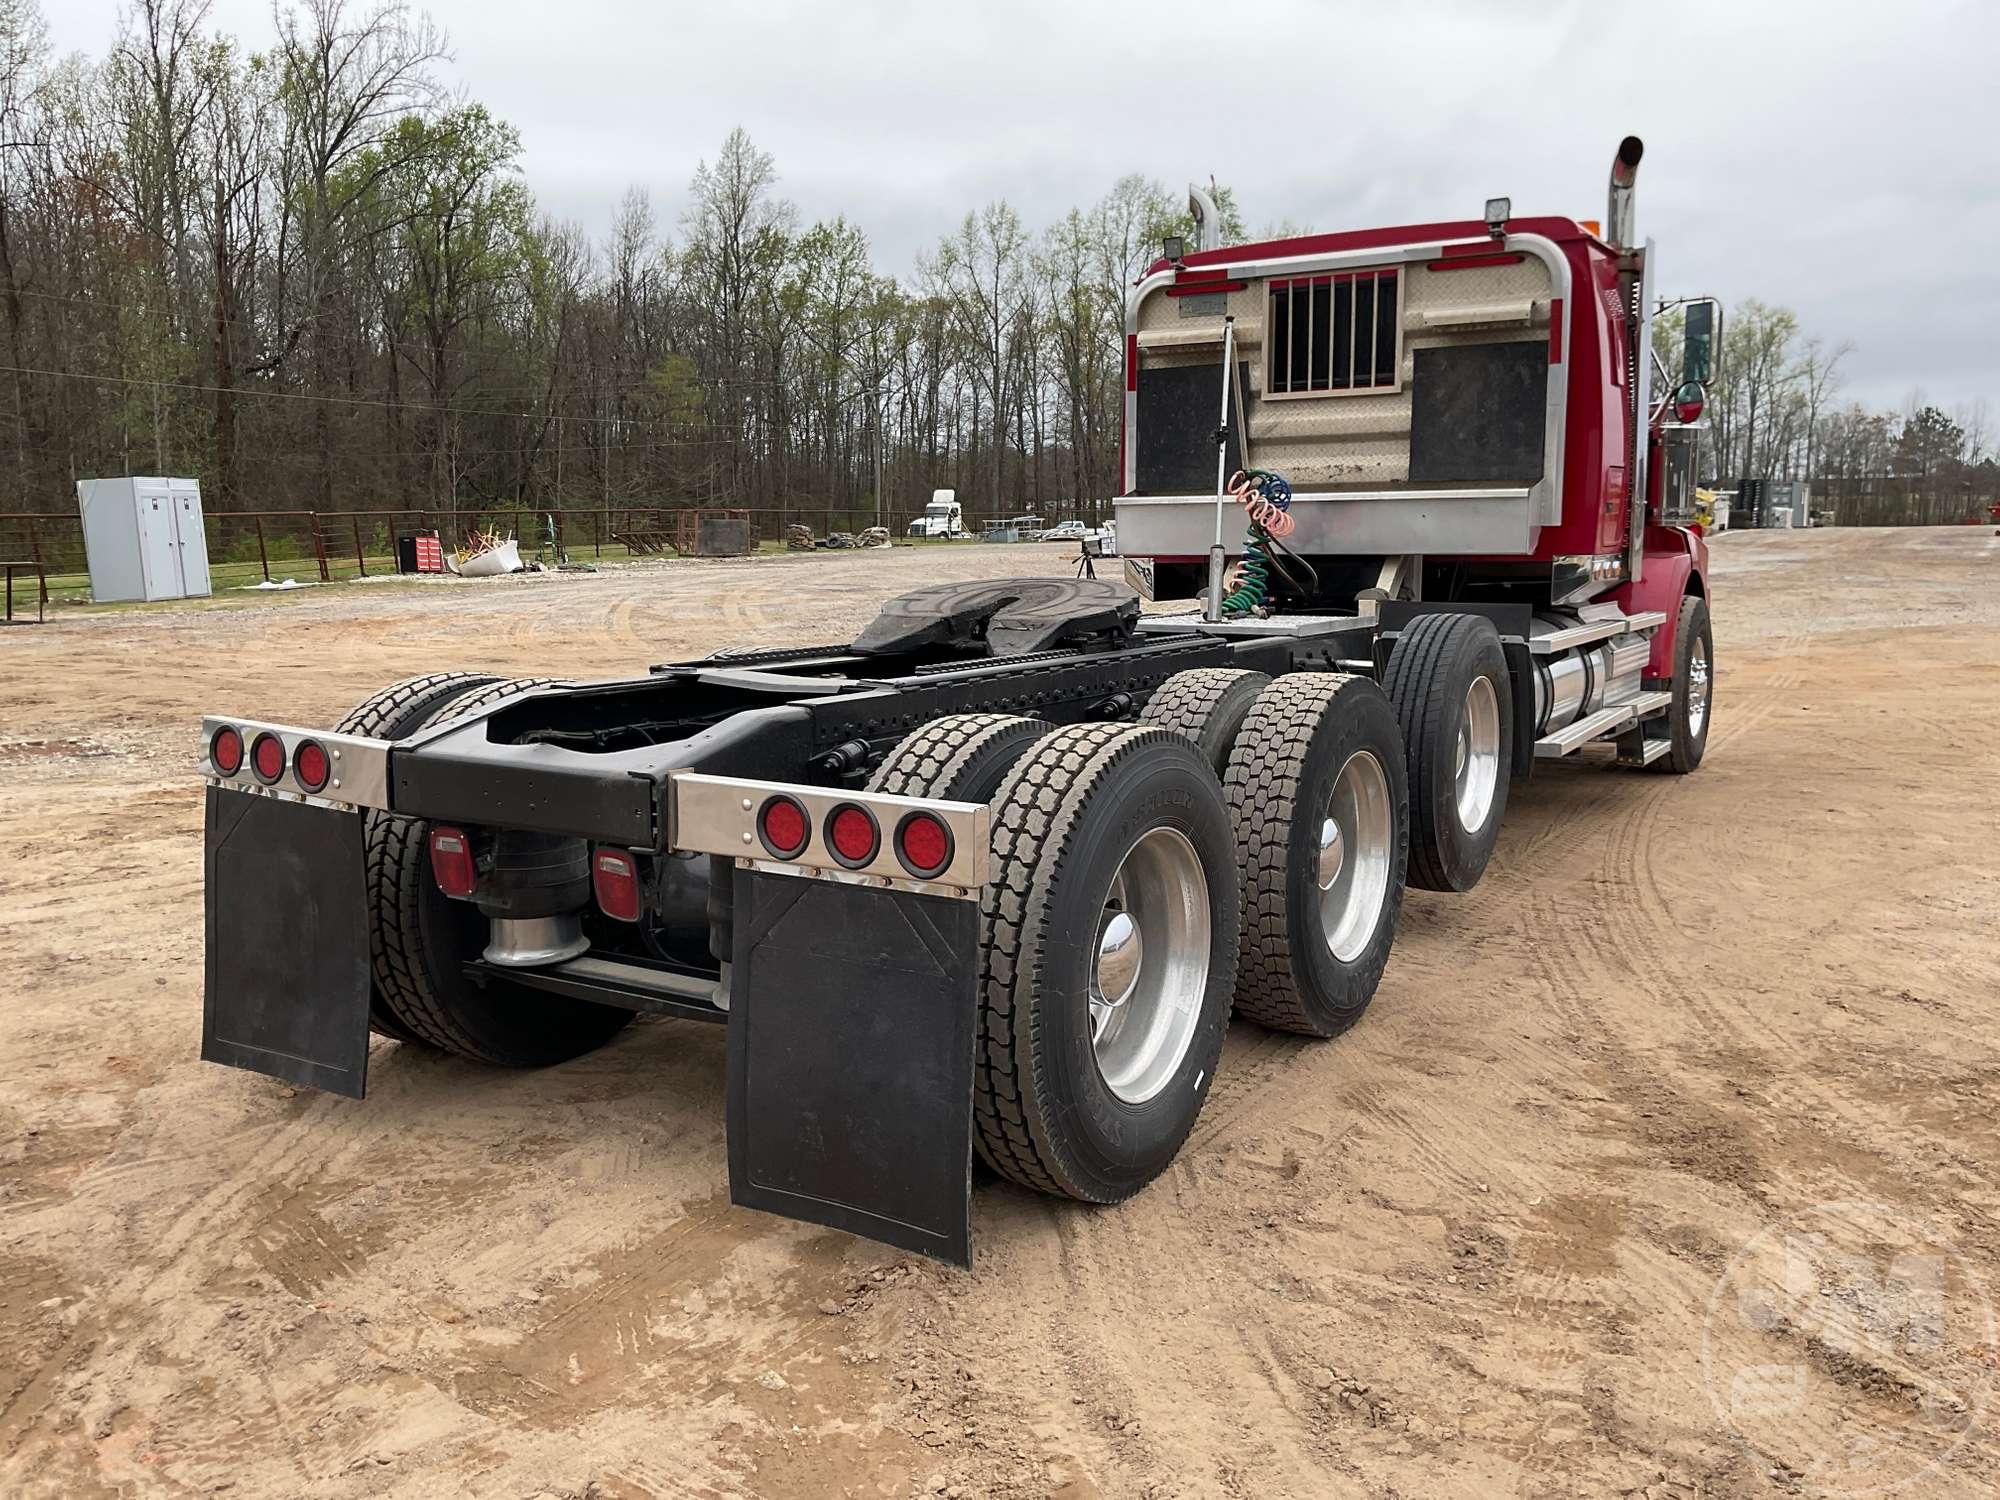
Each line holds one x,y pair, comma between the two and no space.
1335,334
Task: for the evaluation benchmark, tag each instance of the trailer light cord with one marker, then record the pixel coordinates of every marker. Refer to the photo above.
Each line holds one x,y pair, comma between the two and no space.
1267,498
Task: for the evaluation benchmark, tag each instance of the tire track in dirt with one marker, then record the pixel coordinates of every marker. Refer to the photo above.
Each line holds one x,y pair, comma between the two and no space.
1570,1036
1644,935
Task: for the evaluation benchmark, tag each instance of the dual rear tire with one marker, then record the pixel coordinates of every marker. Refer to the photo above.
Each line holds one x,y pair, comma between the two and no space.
1447,680
419,938
1108,941
1136,898
1313,774
1320,801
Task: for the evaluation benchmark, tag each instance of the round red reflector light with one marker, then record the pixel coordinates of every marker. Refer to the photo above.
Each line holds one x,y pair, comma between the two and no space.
923,844
225,749
852,835
267,758
783,827
312,766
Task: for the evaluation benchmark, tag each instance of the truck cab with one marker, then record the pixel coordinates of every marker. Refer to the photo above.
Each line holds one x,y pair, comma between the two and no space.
1463,411
943,517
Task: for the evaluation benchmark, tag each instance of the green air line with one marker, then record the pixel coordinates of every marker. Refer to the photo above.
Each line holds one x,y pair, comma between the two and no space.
1253,583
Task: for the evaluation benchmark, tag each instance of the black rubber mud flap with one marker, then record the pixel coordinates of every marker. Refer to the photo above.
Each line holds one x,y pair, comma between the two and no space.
287,928
850,1060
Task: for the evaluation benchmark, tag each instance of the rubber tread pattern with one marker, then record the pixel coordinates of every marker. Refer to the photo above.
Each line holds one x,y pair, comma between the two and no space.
390,714
397,861
1416,689
1185,702
1034,817
929,762
1262,790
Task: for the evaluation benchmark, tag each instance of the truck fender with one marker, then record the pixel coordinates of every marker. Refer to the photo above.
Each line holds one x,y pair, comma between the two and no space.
1676,565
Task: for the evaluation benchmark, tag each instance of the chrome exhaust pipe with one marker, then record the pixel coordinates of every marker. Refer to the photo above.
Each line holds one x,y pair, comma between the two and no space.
1207,218
1618,219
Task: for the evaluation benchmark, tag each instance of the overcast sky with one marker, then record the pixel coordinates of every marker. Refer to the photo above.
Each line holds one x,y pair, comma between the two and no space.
1841,157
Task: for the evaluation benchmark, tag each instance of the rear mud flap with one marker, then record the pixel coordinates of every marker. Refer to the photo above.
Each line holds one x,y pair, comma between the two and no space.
850,1060
287,928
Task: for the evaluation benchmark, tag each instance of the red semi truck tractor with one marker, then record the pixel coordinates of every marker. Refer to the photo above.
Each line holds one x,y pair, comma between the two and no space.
993,876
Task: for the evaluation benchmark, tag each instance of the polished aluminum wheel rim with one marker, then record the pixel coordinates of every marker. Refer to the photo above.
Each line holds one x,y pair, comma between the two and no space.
1150,970
1697,688
1356,846
1477,761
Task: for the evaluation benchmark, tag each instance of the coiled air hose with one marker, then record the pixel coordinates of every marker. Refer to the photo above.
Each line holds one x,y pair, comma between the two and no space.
1268,499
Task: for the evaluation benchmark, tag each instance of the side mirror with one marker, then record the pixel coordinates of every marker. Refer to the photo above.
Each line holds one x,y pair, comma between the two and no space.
1702,332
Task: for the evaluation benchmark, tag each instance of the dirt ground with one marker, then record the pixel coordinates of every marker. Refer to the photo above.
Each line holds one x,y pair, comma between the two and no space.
1495,1241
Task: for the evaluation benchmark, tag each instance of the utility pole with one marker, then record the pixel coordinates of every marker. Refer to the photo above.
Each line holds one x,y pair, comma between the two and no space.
878,447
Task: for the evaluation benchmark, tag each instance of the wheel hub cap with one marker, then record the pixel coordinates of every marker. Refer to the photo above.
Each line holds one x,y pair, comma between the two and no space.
1476,771
1354,884
1150,969
1332,852
1697,688
1120,952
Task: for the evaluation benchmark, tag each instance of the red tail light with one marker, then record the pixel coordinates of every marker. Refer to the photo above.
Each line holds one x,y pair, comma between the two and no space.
267,758
923,844
312,766
452,864
614,875
784,827
852,835
225,751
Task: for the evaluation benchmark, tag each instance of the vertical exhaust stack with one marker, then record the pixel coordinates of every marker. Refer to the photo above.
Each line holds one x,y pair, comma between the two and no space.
1207,219
1618,222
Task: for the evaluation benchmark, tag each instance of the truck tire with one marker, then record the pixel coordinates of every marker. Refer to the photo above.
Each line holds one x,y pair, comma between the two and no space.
1112,869
1694,695
1208,705
1447,679
1320,799
960,758
399,709
419,938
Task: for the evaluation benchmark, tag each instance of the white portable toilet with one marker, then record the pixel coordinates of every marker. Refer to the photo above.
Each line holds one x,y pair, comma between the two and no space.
143,538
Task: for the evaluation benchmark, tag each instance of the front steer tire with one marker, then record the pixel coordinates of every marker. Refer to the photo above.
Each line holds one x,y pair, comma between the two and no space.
397,710
1045,1114
1693,707
1318,747
419,940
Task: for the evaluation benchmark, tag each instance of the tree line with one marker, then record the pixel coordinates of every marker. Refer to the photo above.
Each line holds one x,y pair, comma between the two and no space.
312,276
1774,411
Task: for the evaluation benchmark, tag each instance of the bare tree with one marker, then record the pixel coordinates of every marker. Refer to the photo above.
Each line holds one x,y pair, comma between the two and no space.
983,268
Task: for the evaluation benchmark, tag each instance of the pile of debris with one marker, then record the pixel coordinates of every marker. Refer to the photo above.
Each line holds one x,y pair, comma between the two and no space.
800,539
487,554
